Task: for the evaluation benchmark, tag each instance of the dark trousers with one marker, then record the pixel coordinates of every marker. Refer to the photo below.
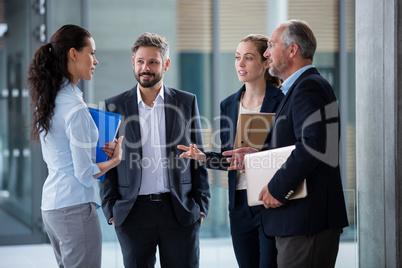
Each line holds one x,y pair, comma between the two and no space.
309,251
252,248
151,224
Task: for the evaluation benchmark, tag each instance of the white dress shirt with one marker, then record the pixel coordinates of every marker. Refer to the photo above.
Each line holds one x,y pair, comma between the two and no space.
69,150
153,137
241,177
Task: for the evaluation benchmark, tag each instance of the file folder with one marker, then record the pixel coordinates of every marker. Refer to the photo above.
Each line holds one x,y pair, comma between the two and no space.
261,167
252,129
107,123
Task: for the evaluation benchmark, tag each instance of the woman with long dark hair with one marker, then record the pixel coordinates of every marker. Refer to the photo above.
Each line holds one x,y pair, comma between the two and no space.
68,137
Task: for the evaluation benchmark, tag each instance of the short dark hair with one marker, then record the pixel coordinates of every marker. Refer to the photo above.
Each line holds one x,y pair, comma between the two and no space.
152,40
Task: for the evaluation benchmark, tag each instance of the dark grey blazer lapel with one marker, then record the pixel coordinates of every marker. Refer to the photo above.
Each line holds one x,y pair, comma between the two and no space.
132,117
233,111
171,115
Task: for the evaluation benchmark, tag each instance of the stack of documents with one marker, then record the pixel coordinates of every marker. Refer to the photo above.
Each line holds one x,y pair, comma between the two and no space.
261,167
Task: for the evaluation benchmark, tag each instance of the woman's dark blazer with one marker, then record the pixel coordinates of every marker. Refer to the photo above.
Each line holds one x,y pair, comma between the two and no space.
228,126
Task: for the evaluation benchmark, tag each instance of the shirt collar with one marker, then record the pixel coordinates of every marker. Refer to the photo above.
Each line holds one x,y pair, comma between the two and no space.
67,84
77,90
288,83
159,97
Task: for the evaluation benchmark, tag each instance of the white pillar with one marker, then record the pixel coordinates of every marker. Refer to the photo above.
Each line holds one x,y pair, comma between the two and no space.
277,12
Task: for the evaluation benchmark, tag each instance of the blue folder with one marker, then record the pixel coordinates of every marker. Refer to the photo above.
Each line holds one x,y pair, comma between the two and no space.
107,124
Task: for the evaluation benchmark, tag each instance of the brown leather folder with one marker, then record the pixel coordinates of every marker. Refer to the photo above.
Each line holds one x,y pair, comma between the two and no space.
252,129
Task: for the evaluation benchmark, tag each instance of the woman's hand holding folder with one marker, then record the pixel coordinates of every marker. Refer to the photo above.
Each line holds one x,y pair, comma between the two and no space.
117,150
114,151
109,147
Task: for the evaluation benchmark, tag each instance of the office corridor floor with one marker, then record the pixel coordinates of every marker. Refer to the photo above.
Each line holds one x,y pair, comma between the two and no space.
215,253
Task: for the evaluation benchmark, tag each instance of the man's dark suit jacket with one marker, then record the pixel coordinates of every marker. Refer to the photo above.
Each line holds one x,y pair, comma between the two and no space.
188,180
228,126
308,117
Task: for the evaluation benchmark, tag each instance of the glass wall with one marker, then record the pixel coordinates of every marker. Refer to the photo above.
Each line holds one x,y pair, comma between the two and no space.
19,213
15,180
